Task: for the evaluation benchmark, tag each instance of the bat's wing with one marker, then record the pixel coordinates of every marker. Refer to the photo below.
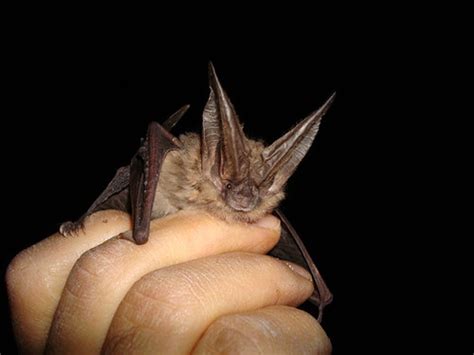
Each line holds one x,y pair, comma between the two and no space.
133,187
115,196
291,248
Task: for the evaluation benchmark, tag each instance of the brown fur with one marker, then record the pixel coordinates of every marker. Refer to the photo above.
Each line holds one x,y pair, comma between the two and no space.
184,186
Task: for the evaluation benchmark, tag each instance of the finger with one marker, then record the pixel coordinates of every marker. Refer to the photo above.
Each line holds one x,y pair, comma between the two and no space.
108,271
36,277
271,330
168,309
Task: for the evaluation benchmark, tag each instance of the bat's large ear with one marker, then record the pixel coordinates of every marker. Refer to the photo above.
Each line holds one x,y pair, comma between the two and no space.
175,118
283,156
225,148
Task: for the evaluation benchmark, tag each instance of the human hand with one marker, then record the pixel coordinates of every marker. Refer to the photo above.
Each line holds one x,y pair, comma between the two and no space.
199,285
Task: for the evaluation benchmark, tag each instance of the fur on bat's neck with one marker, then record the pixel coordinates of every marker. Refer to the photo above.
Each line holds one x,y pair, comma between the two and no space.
183,185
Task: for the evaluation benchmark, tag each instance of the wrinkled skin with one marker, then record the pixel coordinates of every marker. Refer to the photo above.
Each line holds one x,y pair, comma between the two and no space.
199,285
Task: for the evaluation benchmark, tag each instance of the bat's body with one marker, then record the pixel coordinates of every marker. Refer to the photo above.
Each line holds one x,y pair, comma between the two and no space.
221,171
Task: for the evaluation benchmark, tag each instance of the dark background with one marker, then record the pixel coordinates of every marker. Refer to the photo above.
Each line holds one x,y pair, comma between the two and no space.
78,105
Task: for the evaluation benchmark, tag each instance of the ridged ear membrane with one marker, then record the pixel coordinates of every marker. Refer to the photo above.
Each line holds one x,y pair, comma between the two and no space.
175,118
282,157
225,150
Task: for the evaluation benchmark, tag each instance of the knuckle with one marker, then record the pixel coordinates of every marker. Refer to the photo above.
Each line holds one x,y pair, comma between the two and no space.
21,271
99,262
91,269
91,264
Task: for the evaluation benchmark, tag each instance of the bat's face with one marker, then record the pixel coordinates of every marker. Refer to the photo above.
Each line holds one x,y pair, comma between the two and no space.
246,198
241,192
246,201
242,196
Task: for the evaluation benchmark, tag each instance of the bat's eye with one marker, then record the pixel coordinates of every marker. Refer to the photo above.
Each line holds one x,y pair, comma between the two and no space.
228,186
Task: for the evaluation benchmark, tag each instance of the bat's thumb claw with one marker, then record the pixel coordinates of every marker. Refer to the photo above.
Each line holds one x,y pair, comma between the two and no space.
69,228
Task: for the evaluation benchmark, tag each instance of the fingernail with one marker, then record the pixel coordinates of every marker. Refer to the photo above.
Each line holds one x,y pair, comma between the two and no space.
269,222
298,270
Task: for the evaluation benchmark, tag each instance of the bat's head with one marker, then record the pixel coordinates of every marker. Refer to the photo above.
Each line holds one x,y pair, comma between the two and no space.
248,177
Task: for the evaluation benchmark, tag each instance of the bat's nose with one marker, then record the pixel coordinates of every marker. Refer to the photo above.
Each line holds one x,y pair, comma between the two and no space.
245,199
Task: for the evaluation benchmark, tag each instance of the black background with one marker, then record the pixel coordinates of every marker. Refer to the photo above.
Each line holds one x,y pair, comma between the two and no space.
78,105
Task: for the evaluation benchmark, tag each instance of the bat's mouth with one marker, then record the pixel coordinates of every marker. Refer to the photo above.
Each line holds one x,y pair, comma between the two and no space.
243,208
243,205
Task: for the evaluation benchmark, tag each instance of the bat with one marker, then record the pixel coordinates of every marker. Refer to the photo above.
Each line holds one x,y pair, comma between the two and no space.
220,171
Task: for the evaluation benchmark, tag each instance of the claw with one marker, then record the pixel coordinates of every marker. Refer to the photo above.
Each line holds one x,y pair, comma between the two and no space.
69,228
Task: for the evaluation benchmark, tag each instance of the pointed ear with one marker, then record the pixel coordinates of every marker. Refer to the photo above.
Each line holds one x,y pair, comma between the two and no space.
282,157
225,150
175,118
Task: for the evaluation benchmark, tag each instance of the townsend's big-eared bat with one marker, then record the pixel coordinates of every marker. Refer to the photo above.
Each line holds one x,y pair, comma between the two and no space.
220,171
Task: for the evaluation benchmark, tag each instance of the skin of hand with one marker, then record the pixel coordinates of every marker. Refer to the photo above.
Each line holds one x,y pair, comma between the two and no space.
200,285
